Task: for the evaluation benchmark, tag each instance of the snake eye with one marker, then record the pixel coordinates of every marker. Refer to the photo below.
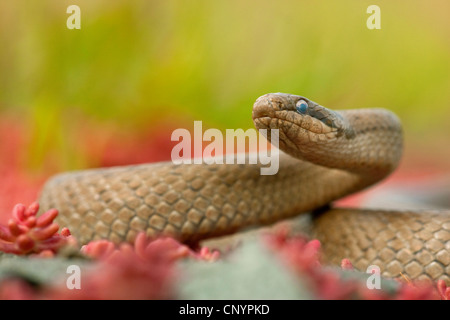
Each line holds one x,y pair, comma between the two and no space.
302,106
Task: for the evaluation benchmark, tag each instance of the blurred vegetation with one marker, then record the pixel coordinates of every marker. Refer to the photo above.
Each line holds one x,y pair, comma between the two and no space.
136,62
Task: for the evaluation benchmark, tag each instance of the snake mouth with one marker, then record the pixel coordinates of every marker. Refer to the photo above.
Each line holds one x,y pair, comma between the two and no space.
292,136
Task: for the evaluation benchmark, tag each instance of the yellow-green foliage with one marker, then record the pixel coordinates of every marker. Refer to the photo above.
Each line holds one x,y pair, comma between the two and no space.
138,60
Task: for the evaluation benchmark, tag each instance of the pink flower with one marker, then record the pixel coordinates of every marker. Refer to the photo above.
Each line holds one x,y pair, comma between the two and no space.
103,249
330,286
417,291
145,270
298,252
26,233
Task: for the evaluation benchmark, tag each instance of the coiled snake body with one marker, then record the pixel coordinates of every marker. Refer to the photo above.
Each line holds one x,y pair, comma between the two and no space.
327,155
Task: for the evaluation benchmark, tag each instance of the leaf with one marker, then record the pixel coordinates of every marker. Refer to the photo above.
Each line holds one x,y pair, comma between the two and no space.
252,272
37,271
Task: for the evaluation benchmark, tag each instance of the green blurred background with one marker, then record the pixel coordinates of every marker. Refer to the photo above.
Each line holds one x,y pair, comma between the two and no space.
136,65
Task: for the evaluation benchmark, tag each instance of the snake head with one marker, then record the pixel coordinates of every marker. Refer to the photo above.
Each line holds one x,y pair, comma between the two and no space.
300,120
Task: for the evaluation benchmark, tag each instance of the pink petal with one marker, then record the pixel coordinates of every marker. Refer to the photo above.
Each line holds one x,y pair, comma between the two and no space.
32,209
9,247
30,222
65,232
5,234
19,212
47,218
15,228
44,233
140,244
25,243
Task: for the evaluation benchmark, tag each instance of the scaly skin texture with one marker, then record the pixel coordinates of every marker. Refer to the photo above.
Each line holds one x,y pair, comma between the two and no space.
327,155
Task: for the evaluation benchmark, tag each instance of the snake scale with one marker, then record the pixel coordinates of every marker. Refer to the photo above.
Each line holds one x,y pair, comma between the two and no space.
325,156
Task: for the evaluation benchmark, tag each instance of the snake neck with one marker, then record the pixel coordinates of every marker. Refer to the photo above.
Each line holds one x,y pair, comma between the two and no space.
373,150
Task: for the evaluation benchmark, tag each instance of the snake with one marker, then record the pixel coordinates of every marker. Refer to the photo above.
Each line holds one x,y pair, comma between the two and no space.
324,155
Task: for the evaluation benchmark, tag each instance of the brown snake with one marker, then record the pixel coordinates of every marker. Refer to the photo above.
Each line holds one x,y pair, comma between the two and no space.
327,155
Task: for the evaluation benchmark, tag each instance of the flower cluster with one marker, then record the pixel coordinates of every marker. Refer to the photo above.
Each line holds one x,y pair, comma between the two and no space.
145,270
26,233
144,247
